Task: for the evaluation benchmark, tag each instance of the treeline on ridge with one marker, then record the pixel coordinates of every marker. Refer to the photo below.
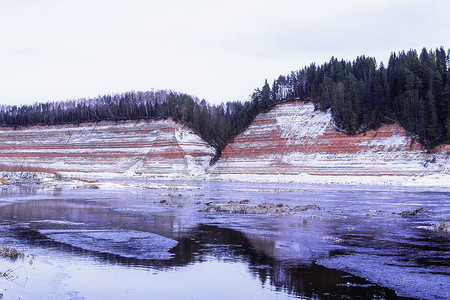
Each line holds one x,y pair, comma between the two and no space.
216,124
413,90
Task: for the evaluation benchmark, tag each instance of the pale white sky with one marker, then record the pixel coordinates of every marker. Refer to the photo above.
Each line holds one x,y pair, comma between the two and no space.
216,50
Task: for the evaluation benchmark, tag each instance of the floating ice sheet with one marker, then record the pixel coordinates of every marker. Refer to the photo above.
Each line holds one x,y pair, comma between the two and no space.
125,243
386,271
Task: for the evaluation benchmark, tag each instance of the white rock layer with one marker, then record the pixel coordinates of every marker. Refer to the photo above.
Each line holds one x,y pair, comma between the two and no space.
158,148
296,143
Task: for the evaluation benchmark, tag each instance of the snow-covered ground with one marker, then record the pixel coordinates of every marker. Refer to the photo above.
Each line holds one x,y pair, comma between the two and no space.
436,180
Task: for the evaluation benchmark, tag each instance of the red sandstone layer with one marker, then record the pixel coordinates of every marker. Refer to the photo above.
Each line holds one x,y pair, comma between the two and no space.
295,139
150,147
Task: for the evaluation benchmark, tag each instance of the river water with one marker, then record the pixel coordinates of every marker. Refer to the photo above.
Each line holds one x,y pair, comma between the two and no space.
210,240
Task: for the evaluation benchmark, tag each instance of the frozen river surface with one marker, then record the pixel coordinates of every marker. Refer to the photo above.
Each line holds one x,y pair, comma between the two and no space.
195,240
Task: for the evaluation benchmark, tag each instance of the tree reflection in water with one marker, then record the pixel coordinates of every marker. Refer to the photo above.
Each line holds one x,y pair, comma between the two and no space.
208,242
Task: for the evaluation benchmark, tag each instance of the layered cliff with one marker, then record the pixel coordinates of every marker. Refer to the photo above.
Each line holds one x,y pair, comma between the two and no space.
159,148
294,142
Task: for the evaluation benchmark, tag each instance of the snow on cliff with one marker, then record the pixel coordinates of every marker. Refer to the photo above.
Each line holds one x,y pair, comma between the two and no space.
294,142
160,148
291,143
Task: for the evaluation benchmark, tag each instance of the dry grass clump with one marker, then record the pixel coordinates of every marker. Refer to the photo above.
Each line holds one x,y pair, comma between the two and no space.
10,252
442,226
85,180
20,169
4,181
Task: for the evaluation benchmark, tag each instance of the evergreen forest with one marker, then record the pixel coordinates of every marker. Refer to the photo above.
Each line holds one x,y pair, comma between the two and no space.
413,90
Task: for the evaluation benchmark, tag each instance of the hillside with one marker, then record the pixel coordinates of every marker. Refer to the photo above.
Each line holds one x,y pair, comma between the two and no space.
158,148
295,142
413,91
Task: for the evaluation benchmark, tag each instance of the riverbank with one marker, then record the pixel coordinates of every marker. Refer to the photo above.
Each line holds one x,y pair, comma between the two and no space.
78,180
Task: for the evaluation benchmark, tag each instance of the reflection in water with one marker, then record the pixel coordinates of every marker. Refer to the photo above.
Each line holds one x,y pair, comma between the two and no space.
199,242
207,241
8,191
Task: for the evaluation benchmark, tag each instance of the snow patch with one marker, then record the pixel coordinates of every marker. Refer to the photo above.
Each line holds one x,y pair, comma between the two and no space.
396,141
301,121
190,142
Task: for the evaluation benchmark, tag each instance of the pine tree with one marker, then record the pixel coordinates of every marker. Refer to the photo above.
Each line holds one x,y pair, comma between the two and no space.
266,101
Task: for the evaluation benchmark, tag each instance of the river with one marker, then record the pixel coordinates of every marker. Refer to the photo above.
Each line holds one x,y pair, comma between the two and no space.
220,240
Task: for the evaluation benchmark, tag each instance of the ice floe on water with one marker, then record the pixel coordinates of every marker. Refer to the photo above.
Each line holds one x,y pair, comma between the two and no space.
58,222
385,270
125,243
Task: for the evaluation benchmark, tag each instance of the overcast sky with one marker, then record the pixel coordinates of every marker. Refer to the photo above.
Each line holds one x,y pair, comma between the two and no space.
215,50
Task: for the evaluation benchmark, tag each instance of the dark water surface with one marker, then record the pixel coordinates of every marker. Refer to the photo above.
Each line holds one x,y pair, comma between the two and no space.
158,244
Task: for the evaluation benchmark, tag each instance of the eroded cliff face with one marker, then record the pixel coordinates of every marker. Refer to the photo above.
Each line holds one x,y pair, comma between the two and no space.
292,143
160,148
293,139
